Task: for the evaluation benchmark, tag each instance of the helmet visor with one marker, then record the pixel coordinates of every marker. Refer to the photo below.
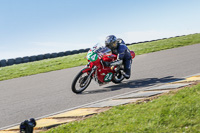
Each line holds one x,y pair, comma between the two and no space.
110,45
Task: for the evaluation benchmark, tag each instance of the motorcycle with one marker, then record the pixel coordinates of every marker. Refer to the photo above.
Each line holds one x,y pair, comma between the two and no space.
97,69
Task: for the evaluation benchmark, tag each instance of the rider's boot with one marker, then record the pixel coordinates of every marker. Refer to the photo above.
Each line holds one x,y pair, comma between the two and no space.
127,76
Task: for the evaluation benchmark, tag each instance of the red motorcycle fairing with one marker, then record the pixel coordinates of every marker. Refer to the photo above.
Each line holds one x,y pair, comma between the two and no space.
103,72
105,75
87,69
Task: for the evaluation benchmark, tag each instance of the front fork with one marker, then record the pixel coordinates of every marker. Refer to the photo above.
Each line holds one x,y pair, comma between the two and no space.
92,71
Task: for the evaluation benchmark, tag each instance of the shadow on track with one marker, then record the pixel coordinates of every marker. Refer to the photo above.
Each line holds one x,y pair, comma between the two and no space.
134,84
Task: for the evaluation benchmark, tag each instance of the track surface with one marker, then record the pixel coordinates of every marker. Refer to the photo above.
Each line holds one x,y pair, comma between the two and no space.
43,94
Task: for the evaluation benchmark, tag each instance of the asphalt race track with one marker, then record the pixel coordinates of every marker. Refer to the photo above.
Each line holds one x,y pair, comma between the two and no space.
42,94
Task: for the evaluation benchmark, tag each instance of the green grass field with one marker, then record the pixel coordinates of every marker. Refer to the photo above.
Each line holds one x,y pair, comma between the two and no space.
26,69
175,112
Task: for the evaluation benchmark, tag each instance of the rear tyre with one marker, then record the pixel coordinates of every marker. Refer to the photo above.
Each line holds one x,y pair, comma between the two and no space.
78,84
118,77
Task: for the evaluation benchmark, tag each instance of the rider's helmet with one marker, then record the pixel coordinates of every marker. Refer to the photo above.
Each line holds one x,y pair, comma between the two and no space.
111,42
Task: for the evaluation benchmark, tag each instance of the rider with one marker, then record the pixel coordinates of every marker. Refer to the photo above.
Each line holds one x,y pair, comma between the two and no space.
119,48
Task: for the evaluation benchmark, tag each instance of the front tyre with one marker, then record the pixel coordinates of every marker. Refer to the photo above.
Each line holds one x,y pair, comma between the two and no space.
79,83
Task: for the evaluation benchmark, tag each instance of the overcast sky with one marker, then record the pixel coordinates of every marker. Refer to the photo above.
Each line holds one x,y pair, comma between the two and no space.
32,27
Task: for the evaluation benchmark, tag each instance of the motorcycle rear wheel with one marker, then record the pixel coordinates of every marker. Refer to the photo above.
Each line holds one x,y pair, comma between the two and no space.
79,82
118,77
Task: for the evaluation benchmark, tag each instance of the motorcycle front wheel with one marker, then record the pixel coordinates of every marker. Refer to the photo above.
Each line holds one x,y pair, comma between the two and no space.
80,82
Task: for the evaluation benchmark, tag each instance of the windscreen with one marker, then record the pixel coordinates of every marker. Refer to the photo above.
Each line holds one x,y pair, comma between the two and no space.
101,49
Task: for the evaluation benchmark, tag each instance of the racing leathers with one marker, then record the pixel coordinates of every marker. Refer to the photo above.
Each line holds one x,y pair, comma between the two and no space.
124,56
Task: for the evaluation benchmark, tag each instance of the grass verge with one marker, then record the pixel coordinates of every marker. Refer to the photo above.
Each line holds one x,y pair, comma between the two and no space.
172,112
26,69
